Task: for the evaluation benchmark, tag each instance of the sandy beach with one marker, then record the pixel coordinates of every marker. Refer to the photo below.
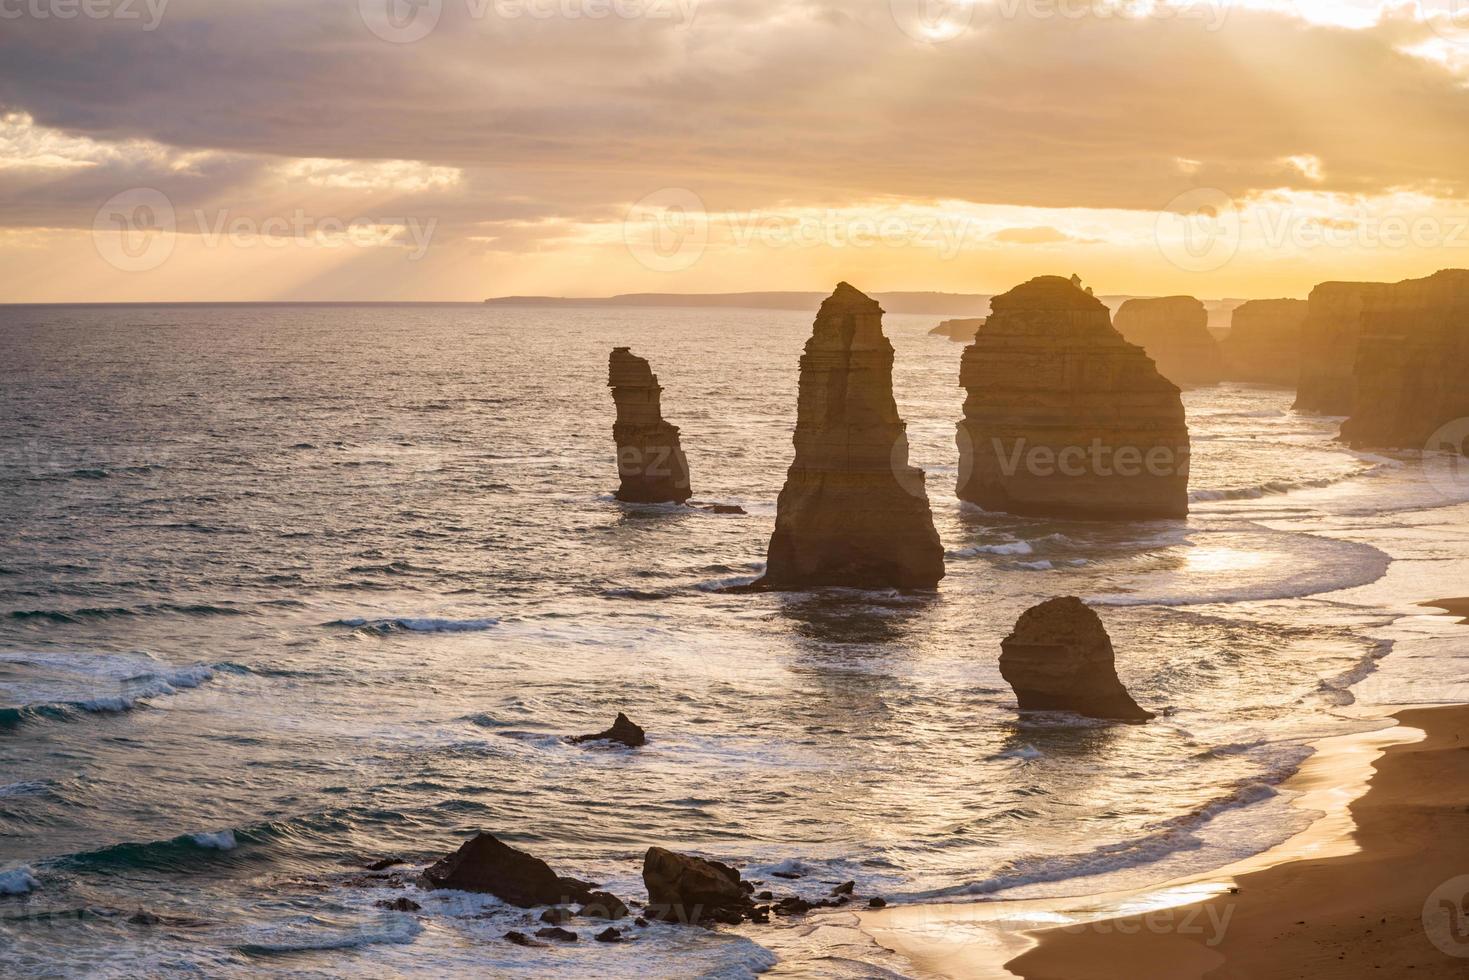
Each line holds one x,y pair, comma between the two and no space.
1373,888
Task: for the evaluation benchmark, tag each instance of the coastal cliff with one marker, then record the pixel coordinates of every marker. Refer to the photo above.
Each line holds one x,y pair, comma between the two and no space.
1064,418
1264,342
650,459
1174,330
959,330
1410,369
853,512
1329,339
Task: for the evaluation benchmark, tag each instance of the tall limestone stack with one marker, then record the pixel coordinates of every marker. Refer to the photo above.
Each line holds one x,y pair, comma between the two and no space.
1412,368
1174,330
1060,658
1264,342
1329,345
853,512
1064,418
650,460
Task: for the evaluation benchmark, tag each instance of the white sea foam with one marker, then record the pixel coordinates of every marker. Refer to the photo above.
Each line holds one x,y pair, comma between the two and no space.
18,881
1008,548
220,840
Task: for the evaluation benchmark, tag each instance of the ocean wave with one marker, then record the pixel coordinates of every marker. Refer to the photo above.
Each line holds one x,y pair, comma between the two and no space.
309,933
74,616
1008,548
62,687
385,627
18,881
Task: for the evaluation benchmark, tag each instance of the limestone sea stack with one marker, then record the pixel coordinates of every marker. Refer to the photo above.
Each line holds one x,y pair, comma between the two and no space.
959,330
1264,342
650,460
1412,366
1059,658
1064,418
1174,330
1329,345
853,512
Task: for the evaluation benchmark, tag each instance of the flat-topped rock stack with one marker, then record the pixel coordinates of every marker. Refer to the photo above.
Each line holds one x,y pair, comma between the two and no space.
1329,339
650,460
960,330
1264,342
1412,365
853,512
1174,330
1064,418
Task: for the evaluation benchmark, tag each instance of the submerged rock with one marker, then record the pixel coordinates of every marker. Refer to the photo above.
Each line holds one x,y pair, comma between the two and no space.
650,460
1264,342
602,905
683,888
1174,330
853,512
1329,339
400,905
557,933
962,331
1064,418
1412,368
622,730
1059,658
486,864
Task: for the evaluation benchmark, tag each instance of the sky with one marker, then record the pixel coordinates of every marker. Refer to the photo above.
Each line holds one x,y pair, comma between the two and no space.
197,150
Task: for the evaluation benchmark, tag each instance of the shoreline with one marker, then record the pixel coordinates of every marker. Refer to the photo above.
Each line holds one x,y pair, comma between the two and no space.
1252,918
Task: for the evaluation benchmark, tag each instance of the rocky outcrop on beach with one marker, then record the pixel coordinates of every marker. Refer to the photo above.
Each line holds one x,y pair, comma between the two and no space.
684,888
960,330
1412,365
488,865
623,730
650,460
1064,418
853,512
1174,330
1264,342
1059,658
1329,339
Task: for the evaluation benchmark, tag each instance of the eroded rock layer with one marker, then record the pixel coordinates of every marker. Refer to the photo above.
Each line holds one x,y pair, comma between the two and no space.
1059,658
1264,342
650,460
1174,330
1329,339
853,512
1412,366
1064,418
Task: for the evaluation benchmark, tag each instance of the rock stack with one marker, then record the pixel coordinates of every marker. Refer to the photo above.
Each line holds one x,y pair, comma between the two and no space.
1059,658
1064,418
650,461
1329,345
960,330
1412,366
1174,330
1264,342
853,512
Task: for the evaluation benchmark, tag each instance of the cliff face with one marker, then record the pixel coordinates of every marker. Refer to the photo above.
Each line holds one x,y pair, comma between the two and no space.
853,512
1174,330
1412,364
1064,418
960,330
1329,345
1264,342
650,460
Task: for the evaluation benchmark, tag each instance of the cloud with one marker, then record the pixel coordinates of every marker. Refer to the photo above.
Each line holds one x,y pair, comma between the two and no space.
1040,235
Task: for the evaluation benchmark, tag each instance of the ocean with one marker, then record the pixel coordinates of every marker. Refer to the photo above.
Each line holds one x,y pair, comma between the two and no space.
287,589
